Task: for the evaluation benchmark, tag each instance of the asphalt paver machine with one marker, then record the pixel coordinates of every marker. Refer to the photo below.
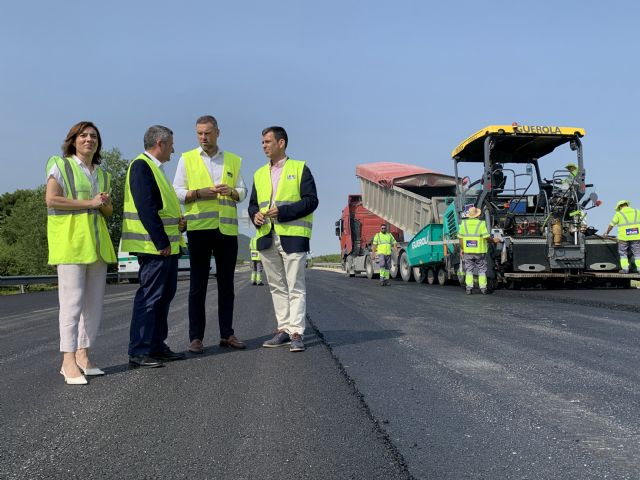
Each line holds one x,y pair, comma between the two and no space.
538,213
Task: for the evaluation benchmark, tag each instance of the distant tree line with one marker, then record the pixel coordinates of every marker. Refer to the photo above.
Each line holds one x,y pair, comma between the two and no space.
331,258
23,222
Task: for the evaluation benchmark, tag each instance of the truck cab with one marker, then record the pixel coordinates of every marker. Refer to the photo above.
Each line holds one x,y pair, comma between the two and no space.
355,229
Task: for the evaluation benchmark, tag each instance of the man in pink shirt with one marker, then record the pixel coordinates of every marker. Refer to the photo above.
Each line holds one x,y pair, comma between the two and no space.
282,202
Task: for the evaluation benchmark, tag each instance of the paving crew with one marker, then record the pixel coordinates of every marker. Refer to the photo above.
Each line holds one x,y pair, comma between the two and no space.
473,236
256,263
627,220
382,243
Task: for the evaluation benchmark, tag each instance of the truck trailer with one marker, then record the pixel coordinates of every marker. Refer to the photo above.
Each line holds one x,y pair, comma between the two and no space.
406,197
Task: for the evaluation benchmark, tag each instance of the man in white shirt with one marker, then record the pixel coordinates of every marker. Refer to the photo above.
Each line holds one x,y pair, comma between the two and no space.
209,184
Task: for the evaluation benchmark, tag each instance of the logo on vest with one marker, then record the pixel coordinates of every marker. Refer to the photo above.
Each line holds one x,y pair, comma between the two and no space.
632,231
471,243
291,177
229,174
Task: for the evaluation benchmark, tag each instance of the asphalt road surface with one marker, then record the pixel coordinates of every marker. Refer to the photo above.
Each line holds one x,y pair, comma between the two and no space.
406,381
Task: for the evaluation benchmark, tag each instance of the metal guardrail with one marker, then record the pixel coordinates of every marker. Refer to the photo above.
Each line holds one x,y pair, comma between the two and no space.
25,280
326,264
22,281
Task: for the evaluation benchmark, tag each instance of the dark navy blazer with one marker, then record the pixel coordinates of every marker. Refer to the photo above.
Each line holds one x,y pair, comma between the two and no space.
148,200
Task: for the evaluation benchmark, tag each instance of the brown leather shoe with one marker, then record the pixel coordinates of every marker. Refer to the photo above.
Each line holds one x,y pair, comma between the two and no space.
196,346
232,342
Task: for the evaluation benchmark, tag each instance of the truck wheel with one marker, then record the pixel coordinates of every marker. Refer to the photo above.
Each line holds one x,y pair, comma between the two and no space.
349,266
368,265
393,271
419,274
431,276
442,277
405,269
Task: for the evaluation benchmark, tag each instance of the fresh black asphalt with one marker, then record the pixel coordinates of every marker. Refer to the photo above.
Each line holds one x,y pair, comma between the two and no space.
406,381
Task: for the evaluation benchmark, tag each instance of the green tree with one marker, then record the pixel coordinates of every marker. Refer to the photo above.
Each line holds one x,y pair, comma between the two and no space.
23,236
9,199
116,165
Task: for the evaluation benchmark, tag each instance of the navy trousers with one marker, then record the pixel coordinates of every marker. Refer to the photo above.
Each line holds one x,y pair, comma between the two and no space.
158,282
203,244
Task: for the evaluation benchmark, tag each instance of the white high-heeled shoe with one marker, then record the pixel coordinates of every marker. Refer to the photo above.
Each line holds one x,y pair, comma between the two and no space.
90,371
73,380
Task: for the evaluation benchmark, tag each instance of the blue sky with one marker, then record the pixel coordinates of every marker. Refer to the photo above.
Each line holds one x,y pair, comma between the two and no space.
351,81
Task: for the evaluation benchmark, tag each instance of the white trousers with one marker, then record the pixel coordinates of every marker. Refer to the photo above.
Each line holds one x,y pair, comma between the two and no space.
81,296
286,276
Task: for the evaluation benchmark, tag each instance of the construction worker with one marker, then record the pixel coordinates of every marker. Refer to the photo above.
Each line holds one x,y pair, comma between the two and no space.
627,220
382,243
571,178
473,236
256,263
573,170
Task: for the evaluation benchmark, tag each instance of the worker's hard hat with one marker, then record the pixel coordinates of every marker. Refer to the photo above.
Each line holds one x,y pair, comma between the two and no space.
571,165
474,212
622,202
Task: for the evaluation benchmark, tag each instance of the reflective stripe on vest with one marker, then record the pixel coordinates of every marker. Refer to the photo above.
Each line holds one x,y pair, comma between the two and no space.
135,237
255,255
628,230
475,242
220,212
383,242
288,193
78,236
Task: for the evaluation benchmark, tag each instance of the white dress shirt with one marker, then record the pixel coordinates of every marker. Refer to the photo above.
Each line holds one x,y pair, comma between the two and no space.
158,163
215,166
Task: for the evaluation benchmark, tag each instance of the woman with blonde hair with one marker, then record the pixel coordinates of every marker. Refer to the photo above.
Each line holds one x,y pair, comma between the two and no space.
78,201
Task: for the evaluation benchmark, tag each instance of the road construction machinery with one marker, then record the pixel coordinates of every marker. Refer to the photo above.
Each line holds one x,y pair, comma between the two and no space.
535,208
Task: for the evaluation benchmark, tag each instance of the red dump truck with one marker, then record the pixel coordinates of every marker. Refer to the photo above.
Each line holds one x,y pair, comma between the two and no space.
356,228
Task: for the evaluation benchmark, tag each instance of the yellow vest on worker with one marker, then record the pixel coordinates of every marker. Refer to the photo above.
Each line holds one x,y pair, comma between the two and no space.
219,212
135,237
474,234
627,220
288,192
81,235
255,254
383,243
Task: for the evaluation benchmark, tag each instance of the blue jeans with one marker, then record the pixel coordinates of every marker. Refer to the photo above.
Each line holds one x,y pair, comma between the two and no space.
158,281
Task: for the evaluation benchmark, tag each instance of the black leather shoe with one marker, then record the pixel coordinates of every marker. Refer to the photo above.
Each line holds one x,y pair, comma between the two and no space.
168,356
144,361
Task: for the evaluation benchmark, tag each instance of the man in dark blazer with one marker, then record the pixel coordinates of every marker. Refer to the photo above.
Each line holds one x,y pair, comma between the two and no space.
152,226
281,207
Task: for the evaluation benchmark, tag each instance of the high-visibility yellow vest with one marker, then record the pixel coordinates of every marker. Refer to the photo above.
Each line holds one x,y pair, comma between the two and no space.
288,192
219,212
383,243
627,220
474,234
135,237
80,235
255,254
